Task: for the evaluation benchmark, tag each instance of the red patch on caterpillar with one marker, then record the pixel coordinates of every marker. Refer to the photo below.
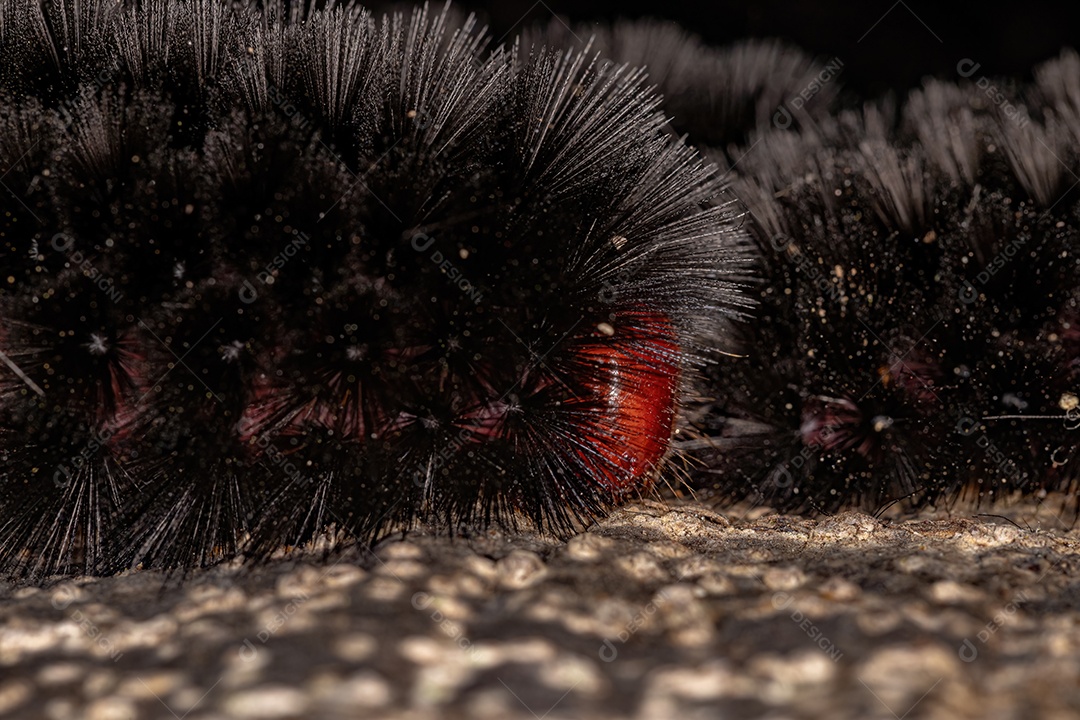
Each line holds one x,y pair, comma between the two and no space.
635,386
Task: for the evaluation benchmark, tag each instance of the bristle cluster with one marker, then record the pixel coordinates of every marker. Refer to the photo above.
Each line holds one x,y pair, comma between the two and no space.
916,338
716,95
271,273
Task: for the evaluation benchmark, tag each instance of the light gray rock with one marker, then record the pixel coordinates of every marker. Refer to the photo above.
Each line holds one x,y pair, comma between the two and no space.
660,611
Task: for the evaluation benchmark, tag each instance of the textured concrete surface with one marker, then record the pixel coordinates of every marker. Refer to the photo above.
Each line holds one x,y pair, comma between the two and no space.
661,611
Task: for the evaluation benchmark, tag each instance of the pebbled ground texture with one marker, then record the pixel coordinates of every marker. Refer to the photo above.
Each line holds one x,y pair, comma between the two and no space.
661,611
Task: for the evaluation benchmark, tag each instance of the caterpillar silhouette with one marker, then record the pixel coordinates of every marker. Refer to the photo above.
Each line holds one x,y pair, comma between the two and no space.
272,272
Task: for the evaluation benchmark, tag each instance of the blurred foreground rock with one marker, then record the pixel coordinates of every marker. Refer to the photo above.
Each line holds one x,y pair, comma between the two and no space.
661,611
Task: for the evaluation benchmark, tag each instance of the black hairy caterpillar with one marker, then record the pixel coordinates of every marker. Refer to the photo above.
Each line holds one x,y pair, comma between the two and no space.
270,271
917,333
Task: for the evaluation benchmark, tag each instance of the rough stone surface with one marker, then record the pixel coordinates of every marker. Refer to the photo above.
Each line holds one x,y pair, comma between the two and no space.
661,611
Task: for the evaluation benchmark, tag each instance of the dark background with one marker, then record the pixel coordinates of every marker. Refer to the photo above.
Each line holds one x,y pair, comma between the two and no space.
1004,38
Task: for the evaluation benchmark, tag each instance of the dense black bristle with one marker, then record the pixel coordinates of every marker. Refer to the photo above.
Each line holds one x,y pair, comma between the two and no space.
717,96
270,273
276,270
921,270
